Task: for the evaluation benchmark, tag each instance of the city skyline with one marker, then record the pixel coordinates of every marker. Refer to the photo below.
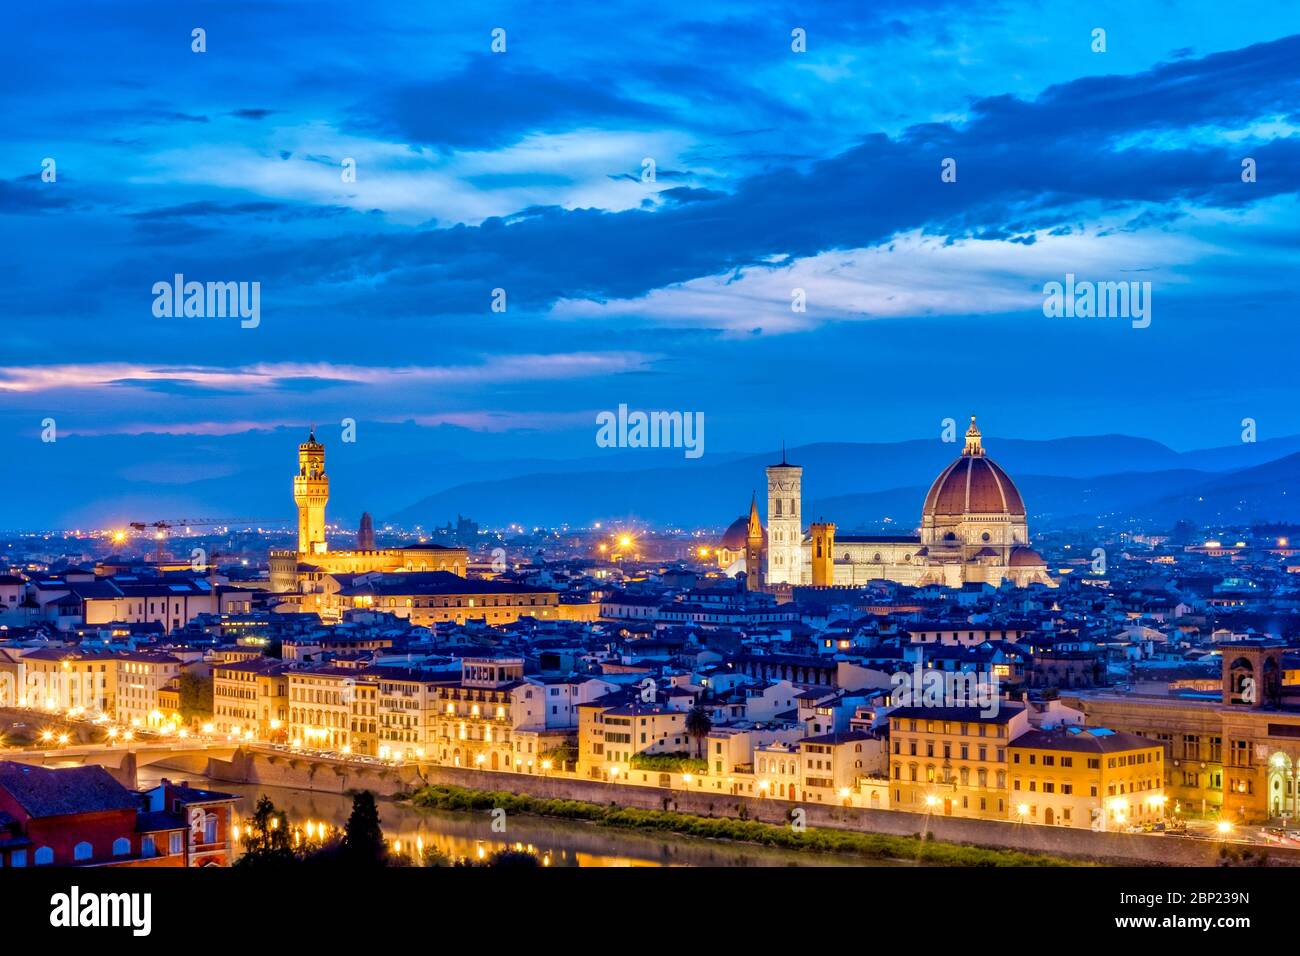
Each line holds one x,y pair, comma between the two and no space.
745,434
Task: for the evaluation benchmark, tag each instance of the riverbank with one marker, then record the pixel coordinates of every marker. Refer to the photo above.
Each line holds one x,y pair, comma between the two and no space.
870,846
265,767
457,834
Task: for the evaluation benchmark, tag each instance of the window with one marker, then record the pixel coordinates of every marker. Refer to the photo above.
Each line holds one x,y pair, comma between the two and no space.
44,856
147,845
18,858
121,846
175,843
82,851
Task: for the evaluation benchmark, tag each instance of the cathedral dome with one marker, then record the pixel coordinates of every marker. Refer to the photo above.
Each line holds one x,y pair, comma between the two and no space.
737,535
1026,558
973,484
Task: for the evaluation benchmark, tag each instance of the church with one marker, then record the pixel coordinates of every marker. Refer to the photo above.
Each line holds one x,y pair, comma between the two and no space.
303,570
973,529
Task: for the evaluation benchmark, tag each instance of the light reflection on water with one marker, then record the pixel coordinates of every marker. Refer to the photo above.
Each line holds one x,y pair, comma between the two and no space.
469,835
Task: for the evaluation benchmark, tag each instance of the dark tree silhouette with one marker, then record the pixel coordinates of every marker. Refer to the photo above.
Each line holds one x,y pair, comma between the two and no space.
698,725
363,840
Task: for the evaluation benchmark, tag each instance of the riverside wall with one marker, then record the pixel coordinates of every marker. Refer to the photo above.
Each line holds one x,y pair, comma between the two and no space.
309,773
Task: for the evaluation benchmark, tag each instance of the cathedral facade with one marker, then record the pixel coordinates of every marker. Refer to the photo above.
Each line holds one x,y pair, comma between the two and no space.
973,529
303,570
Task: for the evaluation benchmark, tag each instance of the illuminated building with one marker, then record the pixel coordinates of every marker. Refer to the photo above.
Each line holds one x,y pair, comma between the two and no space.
973,529
333,708
952,760
434,597
251,695
609,738
301,570
1090,778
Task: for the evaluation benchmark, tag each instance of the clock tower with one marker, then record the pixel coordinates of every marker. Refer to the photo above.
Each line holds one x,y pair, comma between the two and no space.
311,489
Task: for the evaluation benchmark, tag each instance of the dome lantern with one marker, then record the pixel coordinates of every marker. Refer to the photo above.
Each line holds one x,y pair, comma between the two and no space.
973,448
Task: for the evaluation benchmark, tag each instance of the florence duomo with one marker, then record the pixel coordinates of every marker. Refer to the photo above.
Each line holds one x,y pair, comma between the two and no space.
973,529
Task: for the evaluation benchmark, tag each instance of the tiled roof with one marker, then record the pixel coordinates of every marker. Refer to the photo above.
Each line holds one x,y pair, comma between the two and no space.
46,792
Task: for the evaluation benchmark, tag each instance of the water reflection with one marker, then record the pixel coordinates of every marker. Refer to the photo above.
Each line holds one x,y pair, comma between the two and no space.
460,835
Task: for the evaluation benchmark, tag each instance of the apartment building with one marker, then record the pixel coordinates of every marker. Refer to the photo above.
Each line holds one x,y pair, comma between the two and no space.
1093,778
251,695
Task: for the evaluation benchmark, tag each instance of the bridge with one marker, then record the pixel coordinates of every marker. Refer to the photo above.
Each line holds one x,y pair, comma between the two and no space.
124,760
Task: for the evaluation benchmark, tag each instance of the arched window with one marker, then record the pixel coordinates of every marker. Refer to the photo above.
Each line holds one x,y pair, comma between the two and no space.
121,846
44,856
82,851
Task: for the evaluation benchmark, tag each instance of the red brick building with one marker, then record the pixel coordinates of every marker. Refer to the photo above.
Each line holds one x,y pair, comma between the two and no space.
81,816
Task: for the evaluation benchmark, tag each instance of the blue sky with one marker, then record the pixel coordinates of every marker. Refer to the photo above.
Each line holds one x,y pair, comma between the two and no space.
775,170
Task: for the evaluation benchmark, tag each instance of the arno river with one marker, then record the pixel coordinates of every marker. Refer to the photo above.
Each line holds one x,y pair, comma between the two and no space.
556,842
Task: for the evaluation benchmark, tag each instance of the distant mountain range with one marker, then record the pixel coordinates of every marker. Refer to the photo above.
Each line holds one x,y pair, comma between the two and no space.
877,486
411,475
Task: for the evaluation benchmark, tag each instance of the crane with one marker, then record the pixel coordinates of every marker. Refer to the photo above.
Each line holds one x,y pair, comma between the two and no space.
161,528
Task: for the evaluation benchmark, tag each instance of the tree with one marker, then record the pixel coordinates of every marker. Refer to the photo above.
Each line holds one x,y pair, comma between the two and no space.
266,837
196,697
698,725
363,840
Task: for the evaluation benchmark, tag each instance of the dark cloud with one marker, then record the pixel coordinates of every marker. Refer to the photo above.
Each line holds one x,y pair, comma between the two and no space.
1023,165
491,103
26,195
262,209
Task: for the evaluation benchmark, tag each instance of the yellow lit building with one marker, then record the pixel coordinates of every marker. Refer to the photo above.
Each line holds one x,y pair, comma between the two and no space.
325,704
1087,778
832,765
610,737
141,676
952,760
476,717
407,705
251,696
59,679
441,597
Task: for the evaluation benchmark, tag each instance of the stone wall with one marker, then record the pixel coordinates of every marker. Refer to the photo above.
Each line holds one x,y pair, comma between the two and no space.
1122,848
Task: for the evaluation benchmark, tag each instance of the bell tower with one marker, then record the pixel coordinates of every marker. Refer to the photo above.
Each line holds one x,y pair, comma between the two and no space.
754,549
784,523
823,553
311,489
